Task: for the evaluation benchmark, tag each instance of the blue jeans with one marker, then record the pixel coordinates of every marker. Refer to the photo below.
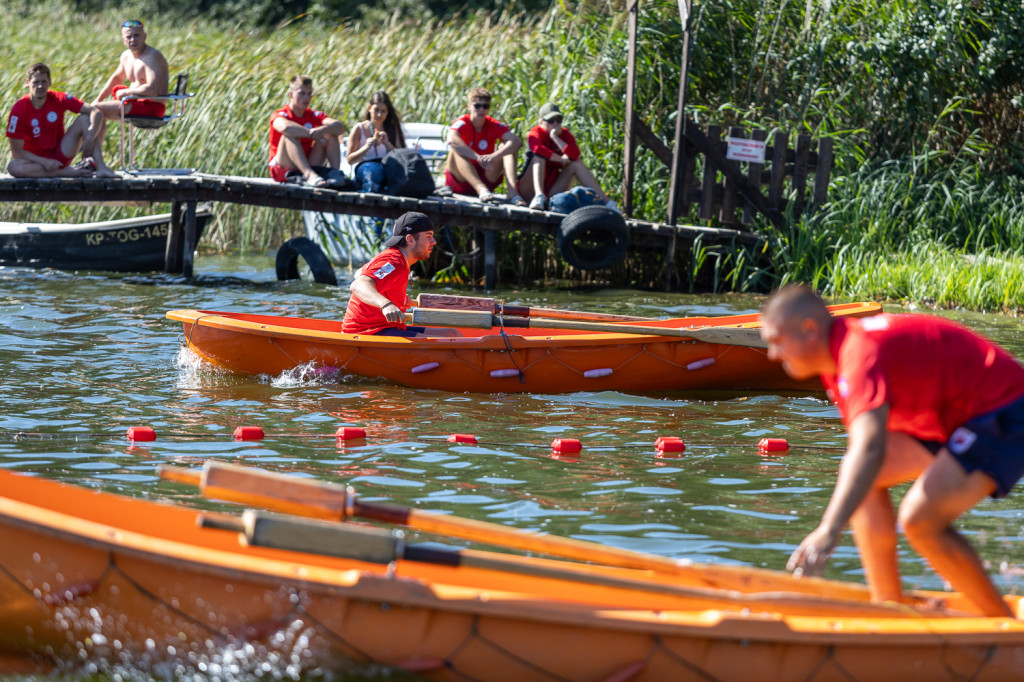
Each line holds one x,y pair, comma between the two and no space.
369,176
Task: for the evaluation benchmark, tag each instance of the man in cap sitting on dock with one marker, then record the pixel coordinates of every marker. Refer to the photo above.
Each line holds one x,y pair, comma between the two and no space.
40,146
379,299
304,141
923,399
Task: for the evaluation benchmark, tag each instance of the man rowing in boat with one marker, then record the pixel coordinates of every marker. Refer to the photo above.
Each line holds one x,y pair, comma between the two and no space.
923,399
40,146
379,299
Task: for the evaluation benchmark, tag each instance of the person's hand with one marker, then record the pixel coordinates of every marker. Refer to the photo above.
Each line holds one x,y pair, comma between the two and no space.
813,553
317,133
485,160
392,313
51,164
380,137
563,159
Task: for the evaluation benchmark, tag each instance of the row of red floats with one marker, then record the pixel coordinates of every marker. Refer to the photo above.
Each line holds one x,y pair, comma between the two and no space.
565,446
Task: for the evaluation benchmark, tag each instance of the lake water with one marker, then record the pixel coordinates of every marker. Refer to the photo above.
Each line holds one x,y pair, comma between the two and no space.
86,356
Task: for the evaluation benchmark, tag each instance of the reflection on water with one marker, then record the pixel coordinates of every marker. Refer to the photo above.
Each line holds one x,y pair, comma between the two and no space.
85,357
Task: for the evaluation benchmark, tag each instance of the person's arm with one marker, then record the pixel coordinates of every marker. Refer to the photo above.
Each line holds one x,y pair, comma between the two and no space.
566,143
510,144
119,76
459,146
330,126
865,452
18,151
292,129
365,289
357,147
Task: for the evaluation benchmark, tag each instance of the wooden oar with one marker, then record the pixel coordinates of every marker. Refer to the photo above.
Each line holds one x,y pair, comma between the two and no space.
376,545
316,499
483,319
450,302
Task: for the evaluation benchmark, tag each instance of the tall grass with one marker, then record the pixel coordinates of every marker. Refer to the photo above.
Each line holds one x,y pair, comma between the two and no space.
923,99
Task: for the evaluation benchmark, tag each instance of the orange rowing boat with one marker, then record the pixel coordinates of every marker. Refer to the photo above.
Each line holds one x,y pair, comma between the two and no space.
101,582
537,359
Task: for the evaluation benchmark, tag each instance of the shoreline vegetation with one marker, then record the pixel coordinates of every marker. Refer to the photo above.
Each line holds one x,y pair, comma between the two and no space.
924,101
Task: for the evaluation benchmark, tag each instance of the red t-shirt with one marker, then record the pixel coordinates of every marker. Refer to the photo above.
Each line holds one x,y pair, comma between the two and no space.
310,119
390,272
540,143
481,141
41,129
934,374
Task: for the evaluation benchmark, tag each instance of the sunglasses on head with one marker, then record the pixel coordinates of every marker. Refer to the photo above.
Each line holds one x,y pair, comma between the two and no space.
482,105
132,23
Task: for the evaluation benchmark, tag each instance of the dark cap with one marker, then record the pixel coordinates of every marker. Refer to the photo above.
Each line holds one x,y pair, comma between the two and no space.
410,223
550,111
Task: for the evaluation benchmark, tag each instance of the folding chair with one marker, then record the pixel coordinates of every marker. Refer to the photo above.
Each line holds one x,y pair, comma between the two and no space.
176,103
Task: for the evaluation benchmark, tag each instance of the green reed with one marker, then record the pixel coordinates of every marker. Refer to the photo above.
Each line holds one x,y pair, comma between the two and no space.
923,100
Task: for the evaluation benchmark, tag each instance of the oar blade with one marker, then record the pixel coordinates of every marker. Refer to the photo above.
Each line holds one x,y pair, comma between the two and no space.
360,543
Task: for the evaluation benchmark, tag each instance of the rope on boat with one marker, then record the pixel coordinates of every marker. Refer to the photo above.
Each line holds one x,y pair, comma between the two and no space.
508,343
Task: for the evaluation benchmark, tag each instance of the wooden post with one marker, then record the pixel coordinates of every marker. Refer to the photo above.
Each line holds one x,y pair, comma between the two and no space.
754,174
490,260
707,190
727,214
676,188
800,162
172,252
629,154
188,247
780,146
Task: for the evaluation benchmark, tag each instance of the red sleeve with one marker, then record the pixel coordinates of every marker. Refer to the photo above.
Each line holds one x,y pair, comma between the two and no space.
537,140
860,382
572,150
462,126
16,117
72,104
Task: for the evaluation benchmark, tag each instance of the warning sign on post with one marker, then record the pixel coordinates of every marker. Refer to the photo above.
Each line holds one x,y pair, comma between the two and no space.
742,149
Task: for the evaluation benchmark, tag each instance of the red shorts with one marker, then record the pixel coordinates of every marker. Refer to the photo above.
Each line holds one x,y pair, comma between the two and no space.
465,187
55,154
278,172
141,107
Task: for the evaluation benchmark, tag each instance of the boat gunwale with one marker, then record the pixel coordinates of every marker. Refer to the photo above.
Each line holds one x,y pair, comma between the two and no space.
417,592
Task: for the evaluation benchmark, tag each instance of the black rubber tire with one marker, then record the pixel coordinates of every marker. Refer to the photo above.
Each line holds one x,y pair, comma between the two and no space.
593,238
287,264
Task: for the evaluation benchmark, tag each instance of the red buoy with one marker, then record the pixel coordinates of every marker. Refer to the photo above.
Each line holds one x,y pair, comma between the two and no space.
669,444
772,445
462,438
350,433
566,446
141,434
248,433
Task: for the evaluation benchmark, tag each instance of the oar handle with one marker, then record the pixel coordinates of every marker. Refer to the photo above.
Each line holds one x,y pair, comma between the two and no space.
451,302
375,545
481,319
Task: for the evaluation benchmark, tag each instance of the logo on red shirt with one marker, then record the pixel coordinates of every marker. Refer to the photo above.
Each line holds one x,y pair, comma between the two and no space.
844,387
51,117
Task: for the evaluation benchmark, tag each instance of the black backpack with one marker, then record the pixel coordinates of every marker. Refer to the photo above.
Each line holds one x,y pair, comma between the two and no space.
406,174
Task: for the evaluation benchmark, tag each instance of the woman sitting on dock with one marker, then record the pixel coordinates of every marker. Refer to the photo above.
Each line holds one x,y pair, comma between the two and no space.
372,139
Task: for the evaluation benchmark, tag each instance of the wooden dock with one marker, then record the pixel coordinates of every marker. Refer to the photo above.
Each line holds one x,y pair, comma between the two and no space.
184,192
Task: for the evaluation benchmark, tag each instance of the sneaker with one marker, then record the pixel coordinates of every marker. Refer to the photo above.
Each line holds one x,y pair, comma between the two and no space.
517,200
315,182
539,202
612,205
87,164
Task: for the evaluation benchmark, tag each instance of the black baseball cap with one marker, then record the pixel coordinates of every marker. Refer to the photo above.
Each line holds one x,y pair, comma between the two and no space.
410,223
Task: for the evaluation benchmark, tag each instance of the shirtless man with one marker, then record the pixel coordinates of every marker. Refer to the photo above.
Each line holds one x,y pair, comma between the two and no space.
146,70
40,145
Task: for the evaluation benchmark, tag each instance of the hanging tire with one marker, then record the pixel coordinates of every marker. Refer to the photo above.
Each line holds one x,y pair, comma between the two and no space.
287,263
593,238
